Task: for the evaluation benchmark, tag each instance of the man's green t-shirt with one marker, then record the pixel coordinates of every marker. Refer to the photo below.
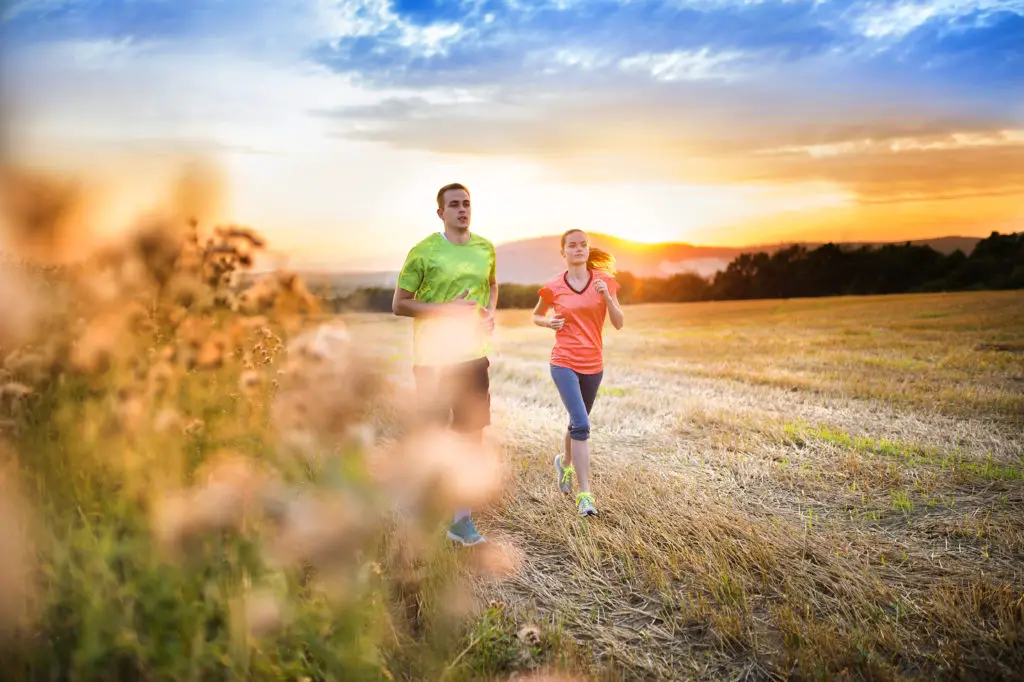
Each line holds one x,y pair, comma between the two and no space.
437,271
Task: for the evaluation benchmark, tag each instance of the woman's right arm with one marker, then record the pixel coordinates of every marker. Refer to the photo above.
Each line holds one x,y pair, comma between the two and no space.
540,312
540,316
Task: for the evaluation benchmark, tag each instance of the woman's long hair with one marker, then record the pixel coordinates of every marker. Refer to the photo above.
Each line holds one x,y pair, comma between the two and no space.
599,259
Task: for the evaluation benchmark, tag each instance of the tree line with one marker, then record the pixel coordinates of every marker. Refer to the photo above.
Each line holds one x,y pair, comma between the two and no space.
996,262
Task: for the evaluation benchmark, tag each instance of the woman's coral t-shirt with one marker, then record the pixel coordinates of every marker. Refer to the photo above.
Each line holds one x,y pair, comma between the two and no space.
579,343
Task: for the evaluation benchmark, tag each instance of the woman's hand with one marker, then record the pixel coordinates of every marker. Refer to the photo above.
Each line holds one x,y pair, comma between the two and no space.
556,322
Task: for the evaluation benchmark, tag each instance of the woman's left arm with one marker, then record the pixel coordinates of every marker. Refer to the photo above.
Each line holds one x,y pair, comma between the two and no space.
610,299
614,311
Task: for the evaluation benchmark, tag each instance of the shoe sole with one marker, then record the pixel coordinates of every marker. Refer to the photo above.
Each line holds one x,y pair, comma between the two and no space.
465,543
588,513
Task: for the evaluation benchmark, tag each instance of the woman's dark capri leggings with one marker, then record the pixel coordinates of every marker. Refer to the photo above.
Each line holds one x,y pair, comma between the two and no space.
578,392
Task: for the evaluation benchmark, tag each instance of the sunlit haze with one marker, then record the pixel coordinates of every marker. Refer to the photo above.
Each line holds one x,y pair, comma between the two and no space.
332,124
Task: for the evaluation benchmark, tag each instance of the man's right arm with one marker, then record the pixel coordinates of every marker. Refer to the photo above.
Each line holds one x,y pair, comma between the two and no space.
403,302
404,305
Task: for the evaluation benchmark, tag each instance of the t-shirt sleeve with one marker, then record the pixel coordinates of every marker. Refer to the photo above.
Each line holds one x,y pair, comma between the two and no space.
411,275
546,294
493,275
613,284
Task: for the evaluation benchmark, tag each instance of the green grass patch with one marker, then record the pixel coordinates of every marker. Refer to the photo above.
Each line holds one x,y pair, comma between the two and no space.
801,433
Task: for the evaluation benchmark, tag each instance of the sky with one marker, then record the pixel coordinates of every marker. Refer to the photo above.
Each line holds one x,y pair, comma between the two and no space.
332,123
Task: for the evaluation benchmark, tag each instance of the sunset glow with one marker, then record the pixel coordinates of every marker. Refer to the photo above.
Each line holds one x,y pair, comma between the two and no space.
332,124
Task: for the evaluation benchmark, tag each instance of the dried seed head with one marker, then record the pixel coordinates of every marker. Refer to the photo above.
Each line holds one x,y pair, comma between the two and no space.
129,412
250,382
158,246
160,377
529,635
194,428
14,391
210,356
186,290
32,367
237,472
321,529
498,558
179,516
167,420
265,613
435,465
94,351
20,314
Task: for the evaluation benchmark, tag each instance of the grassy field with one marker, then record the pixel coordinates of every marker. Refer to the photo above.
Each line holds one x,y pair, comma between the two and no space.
813,489
808,489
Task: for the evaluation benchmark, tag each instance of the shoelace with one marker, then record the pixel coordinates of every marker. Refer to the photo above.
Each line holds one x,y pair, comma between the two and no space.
567,473
584,496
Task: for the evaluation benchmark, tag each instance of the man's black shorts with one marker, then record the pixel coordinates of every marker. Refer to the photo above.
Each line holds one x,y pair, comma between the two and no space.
458,394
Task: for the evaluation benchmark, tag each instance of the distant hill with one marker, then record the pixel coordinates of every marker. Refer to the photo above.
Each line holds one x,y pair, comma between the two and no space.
534,260
531,261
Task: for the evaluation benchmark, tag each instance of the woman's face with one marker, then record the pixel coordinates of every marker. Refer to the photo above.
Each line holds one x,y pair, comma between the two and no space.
576,250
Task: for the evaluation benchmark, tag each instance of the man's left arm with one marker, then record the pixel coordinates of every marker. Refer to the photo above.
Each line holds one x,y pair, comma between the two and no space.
492,302
492,299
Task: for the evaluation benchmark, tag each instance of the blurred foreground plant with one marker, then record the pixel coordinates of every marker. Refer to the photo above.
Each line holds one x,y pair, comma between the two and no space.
204,474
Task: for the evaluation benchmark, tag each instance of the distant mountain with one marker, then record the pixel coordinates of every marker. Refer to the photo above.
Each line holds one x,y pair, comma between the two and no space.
532,261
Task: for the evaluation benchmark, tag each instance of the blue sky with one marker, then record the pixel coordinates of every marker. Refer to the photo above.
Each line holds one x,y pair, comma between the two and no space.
719,121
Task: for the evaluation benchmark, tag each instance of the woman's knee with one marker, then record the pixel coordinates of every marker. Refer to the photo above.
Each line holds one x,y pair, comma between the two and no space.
580,430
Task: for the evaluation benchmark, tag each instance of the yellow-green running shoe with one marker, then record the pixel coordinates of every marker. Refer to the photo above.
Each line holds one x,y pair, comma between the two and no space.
585,503
564,475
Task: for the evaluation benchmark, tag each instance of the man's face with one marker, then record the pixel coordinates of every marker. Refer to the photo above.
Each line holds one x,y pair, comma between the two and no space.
456,210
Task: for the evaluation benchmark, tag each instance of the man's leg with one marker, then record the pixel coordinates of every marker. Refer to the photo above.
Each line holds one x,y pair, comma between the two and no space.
471,413
433,401
476,438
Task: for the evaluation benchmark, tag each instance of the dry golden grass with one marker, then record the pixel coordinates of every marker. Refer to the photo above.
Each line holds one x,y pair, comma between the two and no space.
809,489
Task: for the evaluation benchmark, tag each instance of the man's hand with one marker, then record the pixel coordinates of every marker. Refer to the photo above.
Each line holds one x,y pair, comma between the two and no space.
460,304
487,317
556,322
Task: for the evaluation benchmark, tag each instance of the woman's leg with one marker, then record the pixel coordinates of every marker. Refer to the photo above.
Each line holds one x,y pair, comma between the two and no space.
568,385
588,383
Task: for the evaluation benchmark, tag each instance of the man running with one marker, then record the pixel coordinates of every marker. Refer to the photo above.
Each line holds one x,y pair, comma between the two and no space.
448,286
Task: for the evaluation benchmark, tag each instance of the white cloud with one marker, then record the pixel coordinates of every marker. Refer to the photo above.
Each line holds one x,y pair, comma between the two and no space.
586,59
951,141
429,40
898,20
344,19
123,91
683,65
336,20
100,54
20,7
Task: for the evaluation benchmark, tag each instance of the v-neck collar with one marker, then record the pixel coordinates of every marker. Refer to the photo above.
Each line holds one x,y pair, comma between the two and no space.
590,278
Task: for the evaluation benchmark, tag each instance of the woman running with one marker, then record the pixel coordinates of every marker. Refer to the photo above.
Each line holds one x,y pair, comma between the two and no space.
580,297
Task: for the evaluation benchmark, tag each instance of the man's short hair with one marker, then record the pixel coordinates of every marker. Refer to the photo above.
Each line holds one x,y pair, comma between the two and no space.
454,185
